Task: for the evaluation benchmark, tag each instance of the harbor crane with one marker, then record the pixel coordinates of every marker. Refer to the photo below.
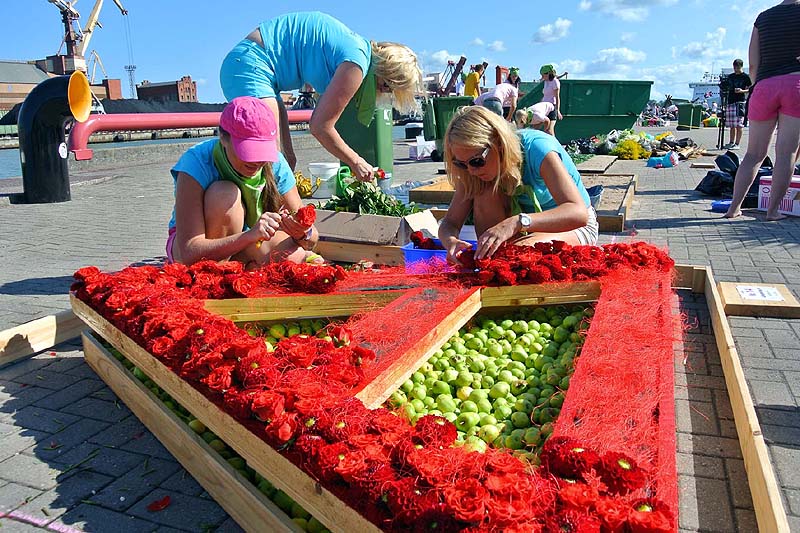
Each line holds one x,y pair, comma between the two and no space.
75,38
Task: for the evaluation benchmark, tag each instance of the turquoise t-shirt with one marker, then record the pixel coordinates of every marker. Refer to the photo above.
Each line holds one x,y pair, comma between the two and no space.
535,146
308,47
198,162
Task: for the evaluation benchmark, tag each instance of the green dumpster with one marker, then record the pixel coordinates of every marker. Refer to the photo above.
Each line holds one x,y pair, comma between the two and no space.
592,107
438,115
428,121
689,116
373,142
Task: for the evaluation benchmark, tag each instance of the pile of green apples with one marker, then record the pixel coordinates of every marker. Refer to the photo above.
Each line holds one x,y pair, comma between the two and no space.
501,381
272,333
295,511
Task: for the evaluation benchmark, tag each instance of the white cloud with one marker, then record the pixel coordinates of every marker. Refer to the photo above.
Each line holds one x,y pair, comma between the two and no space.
621,55
552,32
496,46
201,81
609,63
442,57
709,48
627,10
477,41
573,66
627,37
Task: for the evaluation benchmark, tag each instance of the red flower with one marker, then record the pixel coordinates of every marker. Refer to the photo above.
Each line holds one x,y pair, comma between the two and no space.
262,377
356,466
238,403
267,405
284,427
620,473
435,431
306,215
467,498
647,516
567,458
573,521
380,174
613,512
220,378
341,335
578,495
329,457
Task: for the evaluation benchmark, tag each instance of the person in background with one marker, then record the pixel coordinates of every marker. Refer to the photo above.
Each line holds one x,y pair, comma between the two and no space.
502,97
296,48
512,79
774,101
535,116
552,93
462,78
738,86
472,86
235,196
521,187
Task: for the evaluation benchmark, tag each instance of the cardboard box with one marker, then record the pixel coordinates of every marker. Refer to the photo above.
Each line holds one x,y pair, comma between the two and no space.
373,229
790,205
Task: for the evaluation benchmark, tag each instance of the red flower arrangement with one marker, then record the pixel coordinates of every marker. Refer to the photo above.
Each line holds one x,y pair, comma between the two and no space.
399,477
306,215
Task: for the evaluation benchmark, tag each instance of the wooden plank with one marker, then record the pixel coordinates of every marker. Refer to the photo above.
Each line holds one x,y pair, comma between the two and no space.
690,277
546,294
317,500
438,192
37,335
382,386
293,306
701,164
764,488
251,509
615,204
597,164
347,252
734,304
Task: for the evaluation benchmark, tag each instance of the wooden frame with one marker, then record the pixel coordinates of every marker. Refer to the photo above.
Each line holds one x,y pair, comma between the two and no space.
37,335
764,487
332,511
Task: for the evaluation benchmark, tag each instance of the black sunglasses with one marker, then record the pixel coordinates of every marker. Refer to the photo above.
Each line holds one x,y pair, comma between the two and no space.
476,162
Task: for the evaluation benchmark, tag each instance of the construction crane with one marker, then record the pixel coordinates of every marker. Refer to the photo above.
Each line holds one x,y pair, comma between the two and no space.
91,66
451,74
93,21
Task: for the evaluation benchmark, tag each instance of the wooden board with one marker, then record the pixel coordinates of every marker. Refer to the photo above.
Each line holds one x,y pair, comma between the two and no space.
37,335
439,192
547,294
251,509
314,498
700,164
734,304
764,487
347,252
616,200
596,164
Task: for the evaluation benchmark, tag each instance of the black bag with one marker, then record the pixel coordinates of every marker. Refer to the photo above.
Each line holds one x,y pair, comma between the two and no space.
716,183
727,162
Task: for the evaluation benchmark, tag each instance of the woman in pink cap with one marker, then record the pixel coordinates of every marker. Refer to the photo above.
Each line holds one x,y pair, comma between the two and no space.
235,196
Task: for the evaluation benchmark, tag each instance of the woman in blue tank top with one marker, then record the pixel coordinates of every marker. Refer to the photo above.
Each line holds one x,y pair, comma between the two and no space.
289,51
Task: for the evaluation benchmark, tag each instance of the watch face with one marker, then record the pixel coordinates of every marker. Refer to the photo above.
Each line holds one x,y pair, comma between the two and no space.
525,220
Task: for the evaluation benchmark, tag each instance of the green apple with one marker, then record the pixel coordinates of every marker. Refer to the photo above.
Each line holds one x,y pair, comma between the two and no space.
465,421
500,389
489,433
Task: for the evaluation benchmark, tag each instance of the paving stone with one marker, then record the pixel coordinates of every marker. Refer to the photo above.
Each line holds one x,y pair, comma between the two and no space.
14,495
70,394
87,517
43,419
793,500
182,481
125,491
696,417
700,465
184,512
727,428
772,394
20,368
785,460
20,440
18,526
120,433
49,505
82,371
737,481
704,505
63,364
783,339
147,444
47,379
108,461
709,445
14,396
722,405
98,409
229,526
62,442
27,470
746,521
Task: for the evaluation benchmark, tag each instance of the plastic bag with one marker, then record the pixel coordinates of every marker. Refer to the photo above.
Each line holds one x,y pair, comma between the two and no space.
666,161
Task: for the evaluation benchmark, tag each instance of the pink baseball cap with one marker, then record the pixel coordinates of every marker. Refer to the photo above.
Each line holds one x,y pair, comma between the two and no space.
253,129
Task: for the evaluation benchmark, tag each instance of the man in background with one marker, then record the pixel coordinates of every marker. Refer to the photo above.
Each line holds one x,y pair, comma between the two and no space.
738,86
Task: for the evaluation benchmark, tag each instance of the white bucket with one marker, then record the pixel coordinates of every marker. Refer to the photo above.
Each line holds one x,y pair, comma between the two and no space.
325,172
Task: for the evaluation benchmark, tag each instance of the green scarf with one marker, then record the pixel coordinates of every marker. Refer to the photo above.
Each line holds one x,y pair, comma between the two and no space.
251,188
524,190
366,96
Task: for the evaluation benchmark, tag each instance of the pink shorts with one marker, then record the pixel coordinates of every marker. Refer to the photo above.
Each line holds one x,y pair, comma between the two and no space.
170,242
772,96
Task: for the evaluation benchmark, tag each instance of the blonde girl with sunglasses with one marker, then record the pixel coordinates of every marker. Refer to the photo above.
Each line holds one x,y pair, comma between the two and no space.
521,187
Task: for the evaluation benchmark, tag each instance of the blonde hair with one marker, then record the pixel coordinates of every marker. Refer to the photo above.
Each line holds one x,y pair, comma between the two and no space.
477,127
397,65
521,118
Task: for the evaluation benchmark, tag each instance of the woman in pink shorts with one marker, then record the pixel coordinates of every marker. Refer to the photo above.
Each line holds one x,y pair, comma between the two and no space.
774,101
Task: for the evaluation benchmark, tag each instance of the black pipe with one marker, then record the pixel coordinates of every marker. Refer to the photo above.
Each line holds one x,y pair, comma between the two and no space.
42,146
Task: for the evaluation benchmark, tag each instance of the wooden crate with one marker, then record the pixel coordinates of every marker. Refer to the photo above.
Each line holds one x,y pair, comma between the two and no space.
240,500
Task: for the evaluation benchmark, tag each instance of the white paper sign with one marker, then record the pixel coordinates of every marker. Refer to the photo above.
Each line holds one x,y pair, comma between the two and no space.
770,294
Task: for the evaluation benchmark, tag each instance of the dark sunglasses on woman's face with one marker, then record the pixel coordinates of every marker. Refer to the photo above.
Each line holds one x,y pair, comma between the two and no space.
476,162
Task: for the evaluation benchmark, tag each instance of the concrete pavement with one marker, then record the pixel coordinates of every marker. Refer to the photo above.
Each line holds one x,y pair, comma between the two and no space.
54,412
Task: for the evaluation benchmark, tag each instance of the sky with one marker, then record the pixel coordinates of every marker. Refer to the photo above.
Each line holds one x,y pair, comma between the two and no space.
670,42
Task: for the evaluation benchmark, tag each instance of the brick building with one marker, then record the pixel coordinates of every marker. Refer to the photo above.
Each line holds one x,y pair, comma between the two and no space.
182,90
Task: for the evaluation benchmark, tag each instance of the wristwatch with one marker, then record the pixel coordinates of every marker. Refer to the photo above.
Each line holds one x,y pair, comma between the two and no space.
525,222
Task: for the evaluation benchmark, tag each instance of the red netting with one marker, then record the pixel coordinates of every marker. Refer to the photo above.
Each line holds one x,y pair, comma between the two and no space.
621,395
